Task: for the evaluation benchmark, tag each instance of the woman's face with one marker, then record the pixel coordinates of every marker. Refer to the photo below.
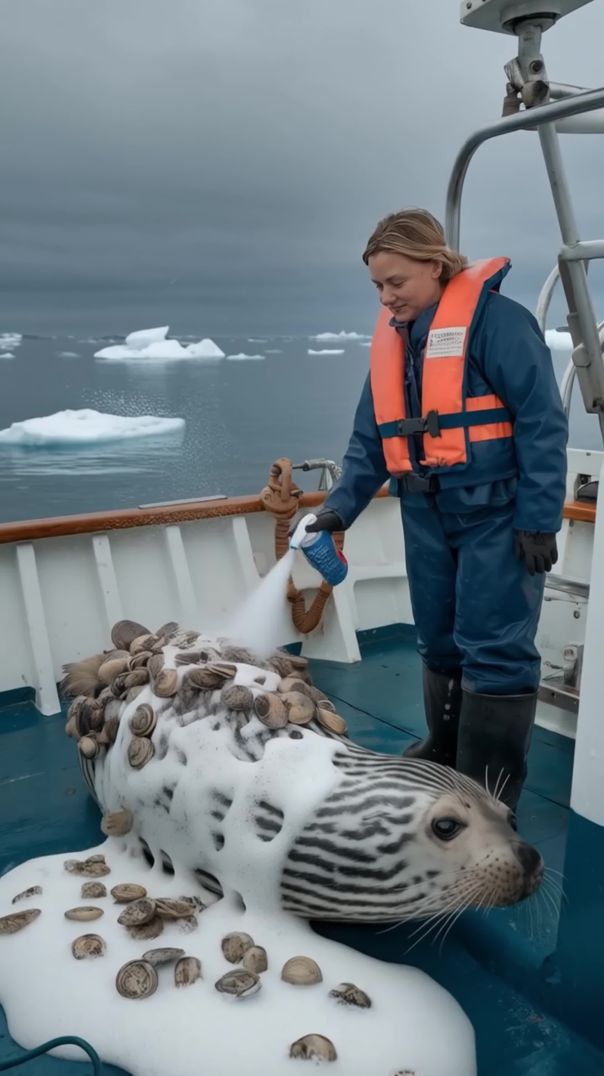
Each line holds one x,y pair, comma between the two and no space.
405,286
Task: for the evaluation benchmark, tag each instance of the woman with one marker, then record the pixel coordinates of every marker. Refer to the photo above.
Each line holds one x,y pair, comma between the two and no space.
462,412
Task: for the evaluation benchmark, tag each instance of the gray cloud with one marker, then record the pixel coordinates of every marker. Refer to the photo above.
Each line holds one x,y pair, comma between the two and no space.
219,165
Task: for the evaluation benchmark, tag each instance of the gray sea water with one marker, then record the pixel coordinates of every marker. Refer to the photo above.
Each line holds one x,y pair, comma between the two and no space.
239,415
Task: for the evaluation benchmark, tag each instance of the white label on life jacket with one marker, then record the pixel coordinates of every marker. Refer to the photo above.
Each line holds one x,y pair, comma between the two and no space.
446,343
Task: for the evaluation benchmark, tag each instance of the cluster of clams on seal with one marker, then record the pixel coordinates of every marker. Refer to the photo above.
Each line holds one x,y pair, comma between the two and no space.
100,686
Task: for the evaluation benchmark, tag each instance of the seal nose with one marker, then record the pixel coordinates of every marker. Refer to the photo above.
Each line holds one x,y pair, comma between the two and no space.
531,862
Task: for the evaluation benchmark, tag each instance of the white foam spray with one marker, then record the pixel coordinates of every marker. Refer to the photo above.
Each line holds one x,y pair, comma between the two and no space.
258,623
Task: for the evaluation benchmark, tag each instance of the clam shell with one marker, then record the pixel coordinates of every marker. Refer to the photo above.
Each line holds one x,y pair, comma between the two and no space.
136,678
190,657
33,891
142,643
162,956
117,823
89,746
271,710
167,629
136,979
140,751
110,729
143,720
235,945
237,697
118,686
332,722
300,708
93,867
126,892
93,890
301,971
124,632
280,664
313,1048
205,678
10,924
170,908
148,931
293,683
112,668
139,661
239,982
186,971
88,947
238,653
155,665
165,684
323,703
84,914
298,662
255,959
90,717
349,994
137,912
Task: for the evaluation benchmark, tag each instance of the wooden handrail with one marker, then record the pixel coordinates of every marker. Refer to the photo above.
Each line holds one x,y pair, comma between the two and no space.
584,511
30,530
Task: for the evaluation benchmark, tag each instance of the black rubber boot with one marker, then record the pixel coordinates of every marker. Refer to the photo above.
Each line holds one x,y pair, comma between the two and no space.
494,739
442,703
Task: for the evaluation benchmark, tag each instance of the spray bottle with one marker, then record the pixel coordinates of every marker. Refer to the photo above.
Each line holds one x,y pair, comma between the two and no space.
319,549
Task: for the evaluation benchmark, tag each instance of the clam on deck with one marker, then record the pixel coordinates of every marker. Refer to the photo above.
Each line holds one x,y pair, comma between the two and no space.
497,965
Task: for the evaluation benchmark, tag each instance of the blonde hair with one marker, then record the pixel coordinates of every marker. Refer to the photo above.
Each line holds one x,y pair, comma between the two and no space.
418,235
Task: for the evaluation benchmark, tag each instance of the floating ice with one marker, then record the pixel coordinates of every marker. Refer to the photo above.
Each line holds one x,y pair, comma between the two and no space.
68,355
152,344
6,355
10,340
327,351
242,357
143,337
340,336
85,427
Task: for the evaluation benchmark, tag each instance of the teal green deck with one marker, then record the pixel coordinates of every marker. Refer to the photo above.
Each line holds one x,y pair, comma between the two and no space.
530,981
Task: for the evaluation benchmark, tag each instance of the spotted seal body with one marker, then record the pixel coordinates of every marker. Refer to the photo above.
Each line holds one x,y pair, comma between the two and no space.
278,807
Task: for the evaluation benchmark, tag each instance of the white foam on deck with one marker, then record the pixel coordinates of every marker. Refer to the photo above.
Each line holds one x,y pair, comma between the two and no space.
413,1026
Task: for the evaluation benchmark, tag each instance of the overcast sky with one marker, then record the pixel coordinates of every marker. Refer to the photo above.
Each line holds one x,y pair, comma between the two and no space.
219,164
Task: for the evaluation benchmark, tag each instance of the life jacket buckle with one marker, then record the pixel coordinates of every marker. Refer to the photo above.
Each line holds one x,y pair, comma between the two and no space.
429,423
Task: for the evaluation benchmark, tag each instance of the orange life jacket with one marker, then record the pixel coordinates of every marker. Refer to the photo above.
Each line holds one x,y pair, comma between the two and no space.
450,420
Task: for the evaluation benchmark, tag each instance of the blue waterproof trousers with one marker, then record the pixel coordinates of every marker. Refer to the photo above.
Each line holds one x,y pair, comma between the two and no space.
475,605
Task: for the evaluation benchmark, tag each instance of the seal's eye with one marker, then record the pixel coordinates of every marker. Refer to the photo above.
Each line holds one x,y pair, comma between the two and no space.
446,828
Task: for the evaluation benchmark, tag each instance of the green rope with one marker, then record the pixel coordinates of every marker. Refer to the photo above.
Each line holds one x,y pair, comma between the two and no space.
66,1040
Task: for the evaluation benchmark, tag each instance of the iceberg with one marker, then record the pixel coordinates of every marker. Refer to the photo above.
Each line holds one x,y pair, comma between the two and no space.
152,344
242,357
85,427
327,351
142,337
340,336
10,340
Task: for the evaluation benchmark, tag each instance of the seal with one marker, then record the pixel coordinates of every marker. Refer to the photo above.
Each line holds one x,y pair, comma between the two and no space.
239,770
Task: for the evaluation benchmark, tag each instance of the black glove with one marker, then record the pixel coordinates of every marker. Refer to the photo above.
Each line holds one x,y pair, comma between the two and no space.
327,520
538,551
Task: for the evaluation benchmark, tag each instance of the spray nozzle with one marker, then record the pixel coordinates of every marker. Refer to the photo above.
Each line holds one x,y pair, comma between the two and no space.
300,532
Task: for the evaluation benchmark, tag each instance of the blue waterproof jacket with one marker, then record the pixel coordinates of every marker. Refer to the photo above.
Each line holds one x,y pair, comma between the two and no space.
507,356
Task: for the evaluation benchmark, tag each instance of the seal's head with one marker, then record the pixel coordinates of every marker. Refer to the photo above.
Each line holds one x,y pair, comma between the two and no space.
405,839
